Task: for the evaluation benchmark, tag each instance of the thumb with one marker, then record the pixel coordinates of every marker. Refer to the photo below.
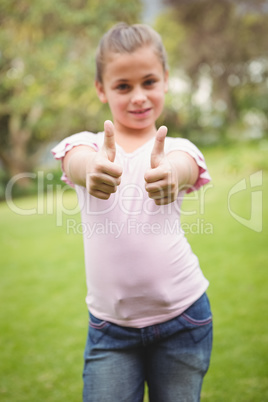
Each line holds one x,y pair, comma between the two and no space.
109,140
159,145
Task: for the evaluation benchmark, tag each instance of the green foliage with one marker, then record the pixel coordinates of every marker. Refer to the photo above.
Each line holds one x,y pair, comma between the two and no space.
47,68
173,35
216,49
221,51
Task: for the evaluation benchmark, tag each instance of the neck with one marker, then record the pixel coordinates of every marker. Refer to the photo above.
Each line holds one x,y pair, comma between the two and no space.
131,139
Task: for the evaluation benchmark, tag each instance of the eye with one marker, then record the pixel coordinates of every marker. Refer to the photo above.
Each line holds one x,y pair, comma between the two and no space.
150,82
122,87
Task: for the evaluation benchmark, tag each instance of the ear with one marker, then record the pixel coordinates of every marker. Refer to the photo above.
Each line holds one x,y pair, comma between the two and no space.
100,91
166,81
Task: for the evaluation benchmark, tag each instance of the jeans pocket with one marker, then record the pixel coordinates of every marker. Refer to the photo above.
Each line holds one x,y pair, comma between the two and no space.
97,328
198,319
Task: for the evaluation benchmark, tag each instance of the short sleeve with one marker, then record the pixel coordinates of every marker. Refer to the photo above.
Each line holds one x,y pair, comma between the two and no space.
60,150
182,144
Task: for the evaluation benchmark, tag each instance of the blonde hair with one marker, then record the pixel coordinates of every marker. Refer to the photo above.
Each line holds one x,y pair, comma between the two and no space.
124,38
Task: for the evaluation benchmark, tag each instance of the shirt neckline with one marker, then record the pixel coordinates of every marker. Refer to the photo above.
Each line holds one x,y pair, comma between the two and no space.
136,151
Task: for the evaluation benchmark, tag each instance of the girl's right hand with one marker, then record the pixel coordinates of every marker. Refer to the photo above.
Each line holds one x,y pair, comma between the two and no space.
103,175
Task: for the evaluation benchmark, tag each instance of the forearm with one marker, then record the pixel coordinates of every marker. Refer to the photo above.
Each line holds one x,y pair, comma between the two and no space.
76,163
185,167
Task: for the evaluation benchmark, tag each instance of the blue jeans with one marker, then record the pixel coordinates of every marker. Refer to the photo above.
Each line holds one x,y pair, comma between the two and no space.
172,357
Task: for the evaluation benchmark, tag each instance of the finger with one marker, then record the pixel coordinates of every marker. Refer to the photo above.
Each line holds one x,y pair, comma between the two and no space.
162,196
154,175
104,188
109,140
159,145
101,195
104,179
162,172
164,201
104,165
158,186
112,169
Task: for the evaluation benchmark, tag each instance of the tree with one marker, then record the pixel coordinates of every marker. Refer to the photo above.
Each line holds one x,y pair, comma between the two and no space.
227,41
47,72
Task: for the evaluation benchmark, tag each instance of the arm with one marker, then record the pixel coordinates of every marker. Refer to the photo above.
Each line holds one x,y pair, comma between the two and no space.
185,167
75,163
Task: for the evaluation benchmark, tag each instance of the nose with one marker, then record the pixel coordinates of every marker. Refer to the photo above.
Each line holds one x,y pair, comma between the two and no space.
138,96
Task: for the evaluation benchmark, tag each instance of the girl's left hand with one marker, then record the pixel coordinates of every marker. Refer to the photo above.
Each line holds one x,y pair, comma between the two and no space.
162,183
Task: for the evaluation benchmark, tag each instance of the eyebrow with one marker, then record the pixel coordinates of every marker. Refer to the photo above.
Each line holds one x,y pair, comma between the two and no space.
149,75
143,78
122,80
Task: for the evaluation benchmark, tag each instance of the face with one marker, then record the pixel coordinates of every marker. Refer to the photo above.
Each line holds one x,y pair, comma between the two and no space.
134,85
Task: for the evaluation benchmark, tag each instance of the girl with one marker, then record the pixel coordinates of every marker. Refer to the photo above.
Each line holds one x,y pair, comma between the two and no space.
150,318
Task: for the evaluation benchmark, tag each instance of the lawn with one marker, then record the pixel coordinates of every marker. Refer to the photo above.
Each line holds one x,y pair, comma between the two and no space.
43,317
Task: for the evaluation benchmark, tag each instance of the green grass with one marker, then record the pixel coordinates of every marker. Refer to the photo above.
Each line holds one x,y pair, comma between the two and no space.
43,317
235,260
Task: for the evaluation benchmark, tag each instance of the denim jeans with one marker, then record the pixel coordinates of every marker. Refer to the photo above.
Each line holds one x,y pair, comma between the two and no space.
172,357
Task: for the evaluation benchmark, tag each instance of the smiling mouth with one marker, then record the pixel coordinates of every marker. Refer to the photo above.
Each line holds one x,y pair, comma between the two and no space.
140,111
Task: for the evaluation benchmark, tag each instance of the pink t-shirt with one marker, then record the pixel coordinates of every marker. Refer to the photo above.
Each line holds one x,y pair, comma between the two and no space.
140,268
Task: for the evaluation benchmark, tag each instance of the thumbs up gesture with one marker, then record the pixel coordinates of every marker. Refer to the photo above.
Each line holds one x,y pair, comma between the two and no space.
104,175
162,183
